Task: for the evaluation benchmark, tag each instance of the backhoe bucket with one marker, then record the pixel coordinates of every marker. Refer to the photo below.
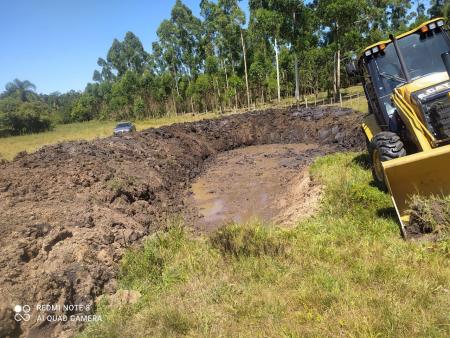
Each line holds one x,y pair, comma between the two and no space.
426,173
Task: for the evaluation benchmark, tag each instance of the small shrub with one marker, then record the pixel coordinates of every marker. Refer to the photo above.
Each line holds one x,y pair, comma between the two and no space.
248,240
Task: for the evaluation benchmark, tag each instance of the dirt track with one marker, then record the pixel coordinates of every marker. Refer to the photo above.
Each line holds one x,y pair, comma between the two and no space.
68,211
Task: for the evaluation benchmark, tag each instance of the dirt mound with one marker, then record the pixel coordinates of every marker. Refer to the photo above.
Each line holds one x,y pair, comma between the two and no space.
429,216
68,211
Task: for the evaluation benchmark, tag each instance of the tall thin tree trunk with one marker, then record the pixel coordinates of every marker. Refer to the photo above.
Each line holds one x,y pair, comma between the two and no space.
297,80
338,72
278,71
236,102
334,76
176,81
337,64
174,104
226,75
218,97
245,69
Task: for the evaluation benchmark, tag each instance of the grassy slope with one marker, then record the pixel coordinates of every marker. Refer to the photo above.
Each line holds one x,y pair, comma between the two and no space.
344,272
10,146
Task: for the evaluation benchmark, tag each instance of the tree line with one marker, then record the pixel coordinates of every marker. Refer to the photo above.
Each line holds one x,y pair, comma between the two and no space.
223,60
23,111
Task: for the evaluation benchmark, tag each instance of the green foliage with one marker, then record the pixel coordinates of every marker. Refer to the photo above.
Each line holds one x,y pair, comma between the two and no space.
18,117
83,110
23,111
439,8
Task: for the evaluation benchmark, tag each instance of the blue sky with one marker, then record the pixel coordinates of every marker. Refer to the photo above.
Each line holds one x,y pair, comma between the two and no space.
56,43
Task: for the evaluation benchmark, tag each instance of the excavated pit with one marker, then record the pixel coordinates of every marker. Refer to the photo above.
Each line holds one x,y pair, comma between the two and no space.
266,183
69,211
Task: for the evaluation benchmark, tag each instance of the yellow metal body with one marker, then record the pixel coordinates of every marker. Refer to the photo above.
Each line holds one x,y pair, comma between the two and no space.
370,126
428,171
425,173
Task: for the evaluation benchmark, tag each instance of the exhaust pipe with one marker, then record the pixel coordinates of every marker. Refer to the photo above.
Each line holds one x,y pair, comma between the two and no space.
400,58
446,59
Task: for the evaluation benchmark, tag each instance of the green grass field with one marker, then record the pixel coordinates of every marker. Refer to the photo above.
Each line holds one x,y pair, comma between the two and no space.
344,272
359,104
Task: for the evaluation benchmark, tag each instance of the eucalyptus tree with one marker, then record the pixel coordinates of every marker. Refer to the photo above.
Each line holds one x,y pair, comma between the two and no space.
121,57
231,21
296,28
342,28
167,50
224,24
189,37
439,8
266,24
398,14
188,29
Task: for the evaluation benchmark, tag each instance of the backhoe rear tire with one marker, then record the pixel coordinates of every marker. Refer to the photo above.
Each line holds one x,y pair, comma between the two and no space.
384,146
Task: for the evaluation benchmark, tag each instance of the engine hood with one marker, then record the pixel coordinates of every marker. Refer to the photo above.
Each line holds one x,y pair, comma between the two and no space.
424,86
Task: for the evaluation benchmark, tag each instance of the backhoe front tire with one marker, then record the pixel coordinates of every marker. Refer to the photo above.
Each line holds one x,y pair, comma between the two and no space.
383,147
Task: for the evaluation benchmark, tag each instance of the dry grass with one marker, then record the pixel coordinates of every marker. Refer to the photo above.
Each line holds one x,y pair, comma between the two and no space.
359,104
345,272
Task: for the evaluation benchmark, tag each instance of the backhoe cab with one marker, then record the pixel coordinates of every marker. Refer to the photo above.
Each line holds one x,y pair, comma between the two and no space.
407,84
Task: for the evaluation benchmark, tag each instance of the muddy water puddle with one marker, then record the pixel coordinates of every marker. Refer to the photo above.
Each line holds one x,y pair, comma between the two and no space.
269,183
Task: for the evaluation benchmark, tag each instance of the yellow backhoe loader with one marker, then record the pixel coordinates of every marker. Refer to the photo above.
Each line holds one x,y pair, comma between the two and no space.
406,80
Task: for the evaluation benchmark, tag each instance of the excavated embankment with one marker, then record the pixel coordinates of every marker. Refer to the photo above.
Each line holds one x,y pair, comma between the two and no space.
69,211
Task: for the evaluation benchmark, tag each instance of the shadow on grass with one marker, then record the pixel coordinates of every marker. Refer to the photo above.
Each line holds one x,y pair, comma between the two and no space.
388,213
362,160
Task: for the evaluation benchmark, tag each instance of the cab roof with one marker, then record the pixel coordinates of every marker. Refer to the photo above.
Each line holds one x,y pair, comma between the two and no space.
403,34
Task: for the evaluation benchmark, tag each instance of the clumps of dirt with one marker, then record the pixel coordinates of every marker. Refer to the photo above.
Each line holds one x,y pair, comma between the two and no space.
429,215
68,212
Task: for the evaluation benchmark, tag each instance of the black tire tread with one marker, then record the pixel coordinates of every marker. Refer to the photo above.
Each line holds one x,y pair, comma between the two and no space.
440,116
390,146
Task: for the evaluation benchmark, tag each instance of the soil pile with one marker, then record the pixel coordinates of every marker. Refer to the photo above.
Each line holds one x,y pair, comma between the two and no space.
68,211
429,215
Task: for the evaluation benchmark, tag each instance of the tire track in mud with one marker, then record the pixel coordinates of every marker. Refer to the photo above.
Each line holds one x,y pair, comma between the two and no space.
69,211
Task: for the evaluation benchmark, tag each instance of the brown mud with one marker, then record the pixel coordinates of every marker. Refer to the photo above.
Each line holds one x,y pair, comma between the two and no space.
69,211
268,183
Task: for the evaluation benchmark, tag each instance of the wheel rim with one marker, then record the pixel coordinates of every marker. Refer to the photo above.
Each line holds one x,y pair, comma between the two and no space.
378,167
